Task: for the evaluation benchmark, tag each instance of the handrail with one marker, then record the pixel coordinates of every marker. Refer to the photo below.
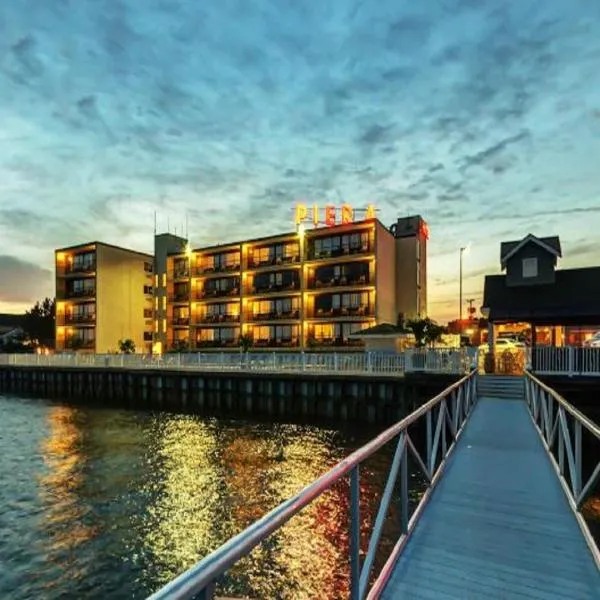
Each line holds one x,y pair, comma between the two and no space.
449,420
549,411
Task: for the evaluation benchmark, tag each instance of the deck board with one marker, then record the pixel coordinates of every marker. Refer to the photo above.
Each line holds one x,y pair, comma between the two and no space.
498,525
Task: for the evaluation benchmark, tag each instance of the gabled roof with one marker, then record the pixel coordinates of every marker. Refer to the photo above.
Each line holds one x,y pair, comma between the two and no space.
571,299
550,244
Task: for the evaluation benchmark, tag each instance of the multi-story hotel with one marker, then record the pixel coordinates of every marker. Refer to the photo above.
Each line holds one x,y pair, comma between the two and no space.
103,294
305,289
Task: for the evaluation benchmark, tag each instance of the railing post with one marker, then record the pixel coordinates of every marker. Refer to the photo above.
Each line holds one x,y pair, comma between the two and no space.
369,365
336,362
355,533
577,475
404,488
571,359
429,443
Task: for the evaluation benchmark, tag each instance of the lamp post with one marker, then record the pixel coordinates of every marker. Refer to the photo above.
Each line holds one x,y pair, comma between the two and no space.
463,250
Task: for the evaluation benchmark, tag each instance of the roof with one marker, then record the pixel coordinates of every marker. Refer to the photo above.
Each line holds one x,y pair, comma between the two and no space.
574,298
382,329
87,244
550,244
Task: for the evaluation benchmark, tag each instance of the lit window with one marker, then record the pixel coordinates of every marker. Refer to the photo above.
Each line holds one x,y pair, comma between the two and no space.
530,267
164,326
164,280
164,303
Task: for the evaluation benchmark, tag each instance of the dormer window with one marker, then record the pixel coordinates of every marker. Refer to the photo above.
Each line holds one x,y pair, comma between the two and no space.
530,268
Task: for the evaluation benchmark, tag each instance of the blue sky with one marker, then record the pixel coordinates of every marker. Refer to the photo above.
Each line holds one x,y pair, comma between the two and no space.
482,116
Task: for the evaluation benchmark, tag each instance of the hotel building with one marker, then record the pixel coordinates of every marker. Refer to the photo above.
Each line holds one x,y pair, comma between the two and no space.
103,294
299,290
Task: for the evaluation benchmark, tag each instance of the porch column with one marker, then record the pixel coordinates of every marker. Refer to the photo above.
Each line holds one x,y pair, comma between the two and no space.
533,349
491,340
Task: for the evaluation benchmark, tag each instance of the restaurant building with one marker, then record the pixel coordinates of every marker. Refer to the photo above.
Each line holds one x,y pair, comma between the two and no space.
305,289
536,301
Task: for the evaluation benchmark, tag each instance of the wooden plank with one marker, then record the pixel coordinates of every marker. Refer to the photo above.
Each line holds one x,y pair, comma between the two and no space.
498,525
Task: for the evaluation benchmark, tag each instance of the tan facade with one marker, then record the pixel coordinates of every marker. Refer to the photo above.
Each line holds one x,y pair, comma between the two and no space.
104,294
311,289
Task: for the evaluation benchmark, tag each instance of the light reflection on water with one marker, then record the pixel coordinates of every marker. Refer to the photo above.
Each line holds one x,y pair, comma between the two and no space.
109,503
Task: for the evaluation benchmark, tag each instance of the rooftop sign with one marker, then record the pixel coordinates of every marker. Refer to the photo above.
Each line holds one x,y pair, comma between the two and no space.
330,215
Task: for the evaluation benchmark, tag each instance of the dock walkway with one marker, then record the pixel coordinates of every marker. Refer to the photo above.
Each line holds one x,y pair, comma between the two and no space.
498,524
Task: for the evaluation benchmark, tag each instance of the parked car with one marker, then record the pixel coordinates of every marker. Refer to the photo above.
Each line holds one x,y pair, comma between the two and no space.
593,342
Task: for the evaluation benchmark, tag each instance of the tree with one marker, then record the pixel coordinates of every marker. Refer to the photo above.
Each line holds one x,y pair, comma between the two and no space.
246,341
127,346
426,331
39,323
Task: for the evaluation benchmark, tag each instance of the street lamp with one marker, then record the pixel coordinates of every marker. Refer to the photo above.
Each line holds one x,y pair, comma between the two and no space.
463,250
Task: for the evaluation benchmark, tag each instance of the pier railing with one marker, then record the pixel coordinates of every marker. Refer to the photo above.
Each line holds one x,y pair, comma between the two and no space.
443,418
562,429
427,360
565,360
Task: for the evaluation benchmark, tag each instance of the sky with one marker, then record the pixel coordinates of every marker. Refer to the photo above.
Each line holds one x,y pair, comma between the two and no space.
483,116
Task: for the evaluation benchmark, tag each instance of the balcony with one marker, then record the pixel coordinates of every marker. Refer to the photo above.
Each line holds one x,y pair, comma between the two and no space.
343,281
81,269
180,297
232,343
344,311
333,342
85,293
293,342
181,273
180,321
212,293
224,318
274,315
365,248
82,319
275,261
217,269
272,288
77,343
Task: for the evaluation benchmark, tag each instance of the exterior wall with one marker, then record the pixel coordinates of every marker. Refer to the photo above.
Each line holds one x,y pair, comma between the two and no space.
422,281
121,300
546,264
406,277
164,244
385,276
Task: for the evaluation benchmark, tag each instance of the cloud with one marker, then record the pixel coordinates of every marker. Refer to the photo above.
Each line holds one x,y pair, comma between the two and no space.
23,281
480,116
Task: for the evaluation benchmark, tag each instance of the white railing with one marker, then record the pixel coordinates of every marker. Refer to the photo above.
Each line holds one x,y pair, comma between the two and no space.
426,360
566,360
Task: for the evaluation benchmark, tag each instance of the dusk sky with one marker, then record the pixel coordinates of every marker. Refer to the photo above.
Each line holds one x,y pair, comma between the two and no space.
483,116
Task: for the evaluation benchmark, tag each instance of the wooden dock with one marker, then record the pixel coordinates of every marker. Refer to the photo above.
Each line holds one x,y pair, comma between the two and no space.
498,524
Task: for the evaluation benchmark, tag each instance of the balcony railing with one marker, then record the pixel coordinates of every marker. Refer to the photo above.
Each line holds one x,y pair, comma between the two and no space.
273,261
210,269
276,343
182,297
218,318
229,343
181,273
80,319
85,268
344,311
211,293
86,293
180,321
349,280
366,248
79,344
274,315
333,341
272,288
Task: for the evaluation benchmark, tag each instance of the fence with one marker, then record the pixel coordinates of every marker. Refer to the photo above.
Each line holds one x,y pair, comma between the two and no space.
444,415
566,360
562,428
428,360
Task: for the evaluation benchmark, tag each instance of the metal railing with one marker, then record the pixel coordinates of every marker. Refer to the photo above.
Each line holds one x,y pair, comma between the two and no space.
561,427
431,361
565,360
444,415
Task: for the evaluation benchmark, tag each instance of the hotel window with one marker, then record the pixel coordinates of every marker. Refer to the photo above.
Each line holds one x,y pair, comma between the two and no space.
147,289
164,326
147,313
164,303
148,267
156,326
164,280
324,332
156,281
530,268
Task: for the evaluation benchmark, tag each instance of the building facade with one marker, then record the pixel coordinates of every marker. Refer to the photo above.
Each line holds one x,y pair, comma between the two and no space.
299,290
103,294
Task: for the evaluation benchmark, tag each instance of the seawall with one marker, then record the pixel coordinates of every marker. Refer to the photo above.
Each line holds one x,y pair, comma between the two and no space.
368,398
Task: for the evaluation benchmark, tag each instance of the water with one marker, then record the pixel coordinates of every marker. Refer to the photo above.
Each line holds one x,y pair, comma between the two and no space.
108,503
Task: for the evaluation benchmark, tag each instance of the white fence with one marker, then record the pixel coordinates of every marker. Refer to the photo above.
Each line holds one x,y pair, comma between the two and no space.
567,360
427,360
